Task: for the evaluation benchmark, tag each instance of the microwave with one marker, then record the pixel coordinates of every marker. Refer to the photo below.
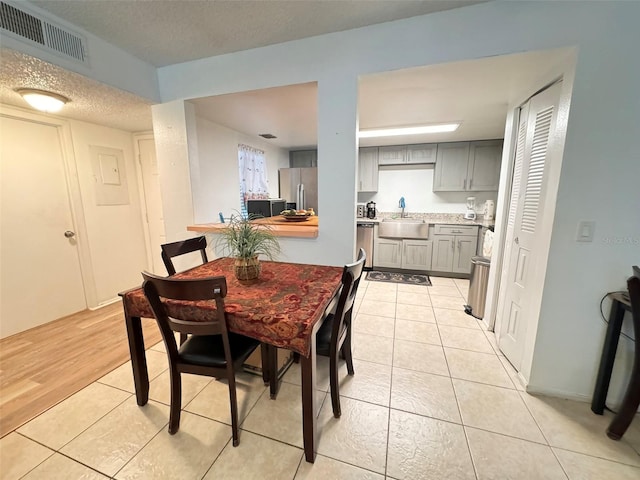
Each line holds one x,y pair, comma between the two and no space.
267,207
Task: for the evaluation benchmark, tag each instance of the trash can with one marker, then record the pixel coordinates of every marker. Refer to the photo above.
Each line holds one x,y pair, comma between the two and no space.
478,286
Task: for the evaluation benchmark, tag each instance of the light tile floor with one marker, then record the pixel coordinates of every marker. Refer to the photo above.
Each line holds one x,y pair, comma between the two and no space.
432,398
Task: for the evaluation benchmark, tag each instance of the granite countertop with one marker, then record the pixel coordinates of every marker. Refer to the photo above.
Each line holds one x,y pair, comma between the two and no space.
431,218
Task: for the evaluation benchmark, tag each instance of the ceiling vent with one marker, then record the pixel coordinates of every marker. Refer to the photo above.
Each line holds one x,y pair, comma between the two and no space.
37,30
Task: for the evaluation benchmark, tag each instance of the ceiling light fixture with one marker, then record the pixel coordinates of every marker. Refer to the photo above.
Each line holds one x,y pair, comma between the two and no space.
42,100
391,132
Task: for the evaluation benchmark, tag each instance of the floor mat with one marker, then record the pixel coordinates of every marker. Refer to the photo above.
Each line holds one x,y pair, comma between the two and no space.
394,277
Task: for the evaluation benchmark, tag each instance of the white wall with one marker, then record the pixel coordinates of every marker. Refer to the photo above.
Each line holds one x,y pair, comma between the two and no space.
599,182
415,184
170,124
219,177
599,171
114,232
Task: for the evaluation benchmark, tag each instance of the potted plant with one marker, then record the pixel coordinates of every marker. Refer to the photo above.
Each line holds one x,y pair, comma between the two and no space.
244,240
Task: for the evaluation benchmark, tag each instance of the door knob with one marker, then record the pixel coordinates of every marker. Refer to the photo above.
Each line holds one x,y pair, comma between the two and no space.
517,242
69,234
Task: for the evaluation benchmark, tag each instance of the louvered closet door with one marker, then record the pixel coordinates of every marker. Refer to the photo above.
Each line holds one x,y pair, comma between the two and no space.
537,123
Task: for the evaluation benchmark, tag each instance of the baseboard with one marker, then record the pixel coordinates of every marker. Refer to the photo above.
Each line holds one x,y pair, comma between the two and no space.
550,392
105,303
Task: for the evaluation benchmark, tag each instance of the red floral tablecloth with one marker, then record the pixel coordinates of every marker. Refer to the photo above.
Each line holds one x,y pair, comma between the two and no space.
280,308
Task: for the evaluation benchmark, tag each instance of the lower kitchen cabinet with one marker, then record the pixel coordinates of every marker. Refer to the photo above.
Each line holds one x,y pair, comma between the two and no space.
387,252
453,248
405,254
416,254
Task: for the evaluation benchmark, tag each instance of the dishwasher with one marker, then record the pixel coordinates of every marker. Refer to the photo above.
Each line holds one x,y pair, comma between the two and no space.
364,239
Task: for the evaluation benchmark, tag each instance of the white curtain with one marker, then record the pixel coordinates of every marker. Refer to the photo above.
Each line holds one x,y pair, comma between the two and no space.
253,175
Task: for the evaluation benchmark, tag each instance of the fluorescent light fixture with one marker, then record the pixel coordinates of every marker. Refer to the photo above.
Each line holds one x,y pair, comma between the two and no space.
391,132
42,100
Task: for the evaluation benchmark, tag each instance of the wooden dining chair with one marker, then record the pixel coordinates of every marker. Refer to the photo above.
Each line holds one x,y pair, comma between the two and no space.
334,336
175,249
631,400
210,349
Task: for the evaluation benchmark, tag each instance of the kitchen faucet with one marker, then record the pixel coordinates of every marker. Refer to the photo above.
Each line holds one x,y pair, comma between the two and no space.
401,205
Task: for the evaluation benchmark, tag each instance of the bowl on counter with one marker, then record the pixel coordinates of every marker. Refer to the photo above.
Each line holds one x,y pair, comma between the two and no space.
297,215
296,218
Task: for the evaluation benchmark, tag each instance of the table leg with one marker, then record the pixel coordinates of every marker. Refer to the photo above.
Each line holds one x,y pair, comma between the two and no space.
138,358
264,357
309,423
272,355
616,316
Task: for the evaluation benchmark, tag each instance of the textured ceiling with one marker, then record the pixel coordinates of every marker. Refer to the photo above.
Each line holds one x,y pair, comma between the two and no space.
91,101
159,31
165,32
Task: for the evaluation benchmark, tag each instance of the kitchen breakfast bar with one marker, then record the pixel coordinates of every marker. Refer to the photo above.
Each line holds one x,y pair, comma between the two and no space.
278,225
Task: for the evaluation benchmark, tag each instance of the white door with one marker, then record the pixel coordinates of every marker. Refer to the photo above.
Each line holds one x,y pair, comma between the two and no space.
40,278
524,224
152,201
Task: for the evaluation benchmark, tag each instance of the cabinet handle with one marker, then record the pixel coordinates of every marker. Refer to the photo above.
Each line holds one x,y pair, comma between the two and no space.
464,186
459,245
453,244
470,182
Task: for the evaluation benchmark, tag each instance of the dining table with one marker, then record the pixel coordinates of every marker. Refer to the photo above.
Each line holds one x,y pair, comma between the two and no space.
284,307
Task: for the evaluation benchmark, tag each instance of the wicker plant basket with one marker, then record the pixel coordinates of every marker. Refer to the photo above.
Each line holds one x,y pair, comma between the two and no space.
247,268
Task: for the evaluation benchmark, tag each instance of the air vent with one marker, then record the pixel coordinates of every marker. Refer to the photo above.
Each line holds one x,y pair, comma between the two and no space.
42,32
267,135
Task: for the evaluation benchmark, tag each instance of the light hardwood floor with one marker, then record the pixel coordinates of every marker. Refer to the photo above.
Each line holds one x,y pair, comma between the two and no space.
44,365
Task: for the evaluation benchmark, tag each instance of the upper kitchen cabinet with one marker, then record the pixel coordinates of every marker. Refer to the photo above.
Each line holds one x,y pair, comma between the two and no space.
368,169
452,164
421,153
468,166
303,158
407,154
484,165
393,155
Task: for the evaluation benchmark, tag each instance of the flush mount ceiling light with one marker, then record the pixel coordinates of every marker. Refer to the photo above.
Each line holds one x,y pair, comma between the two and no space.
390,132
42,100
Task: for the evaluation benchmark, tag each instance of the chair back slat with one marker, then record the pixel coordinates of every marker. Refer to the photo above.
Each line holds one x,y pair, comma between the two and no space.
175,249
350,280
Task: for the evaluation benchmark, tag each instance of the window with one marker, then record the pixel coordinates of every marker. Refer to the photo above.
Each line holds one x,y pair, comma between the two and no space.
253,175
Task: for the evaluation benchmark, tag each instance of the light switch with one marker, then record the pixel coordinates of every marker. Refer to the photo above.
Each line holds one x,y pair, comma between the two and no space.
585,231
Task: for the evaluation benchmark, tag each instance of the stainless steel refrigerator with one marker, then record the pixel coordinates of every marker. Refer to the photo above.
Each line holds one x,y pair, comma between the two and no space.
299,186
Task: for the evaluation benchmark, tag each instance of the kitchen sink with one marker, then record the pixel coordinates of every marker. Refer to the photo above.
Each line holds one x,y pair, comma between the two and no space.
403,228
